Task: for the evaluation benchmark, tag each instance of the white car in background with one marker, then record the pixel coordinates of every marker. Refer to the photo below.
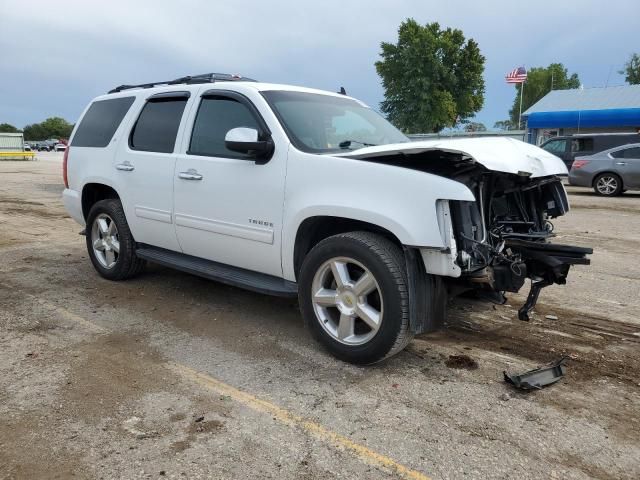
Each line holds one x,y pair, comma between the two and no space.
297,192
60,147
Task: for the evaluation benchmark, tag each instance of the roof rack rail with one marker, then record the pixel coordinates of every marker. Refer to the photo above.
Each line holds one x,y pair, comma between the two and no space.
189,80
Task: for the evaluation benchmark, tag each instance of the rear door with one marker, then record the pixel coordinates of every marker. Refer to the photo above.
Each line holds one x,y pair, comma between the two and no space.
627,164
144,168
228,207
581,147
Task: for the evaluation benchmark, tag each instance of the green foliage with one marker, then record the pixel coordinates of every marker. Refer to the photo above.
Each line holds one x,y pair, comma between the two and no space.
504,125
432,77
631,70
8,128
54,127
539,83
475,127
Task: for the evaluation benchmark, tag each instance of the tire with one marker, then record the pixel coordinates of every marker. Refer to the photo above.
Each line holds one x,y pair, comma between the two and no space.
608,185
115,257
386,299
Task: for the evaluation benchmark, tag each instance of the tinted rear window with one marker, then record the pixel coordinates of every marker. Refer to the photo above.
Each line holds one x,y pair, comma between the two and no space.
157,125
101,121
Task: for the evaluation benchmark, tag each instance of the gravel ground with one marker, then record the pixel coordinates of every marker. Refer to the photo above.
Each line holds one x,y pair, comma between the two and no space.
172,376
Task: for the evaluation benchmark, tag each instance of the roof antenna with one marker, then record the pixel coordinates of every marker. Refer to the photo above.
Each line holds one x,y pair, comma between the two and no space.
342,91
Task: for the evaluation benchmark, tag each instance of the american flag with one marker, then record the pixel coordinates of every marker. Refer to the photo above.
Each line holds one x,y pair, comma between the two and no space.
517,75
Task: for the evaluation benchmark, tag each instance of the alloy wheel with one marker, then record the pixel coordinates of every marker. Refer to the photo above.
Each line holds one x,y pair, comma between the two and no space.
105,242
607,185
347,300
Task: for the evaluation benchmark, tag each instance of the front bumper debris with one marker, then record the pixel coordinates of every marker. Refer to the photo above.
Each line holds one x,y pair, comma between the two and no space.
547,263
539,377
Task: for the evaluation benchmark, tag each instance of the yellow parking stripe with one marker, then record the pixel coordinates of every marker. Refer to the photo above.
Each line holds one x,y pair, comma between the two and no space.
341,442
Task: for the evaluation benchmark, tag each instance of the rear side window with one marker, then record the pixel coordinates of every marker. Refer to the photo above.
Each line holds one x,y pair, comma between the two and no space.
101,121
627,153
216,116
582,145
157,125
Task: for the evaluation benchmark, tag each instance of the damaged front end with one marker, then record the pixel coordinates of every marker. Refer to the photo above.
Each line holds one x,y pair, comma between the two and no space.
493,244
503,237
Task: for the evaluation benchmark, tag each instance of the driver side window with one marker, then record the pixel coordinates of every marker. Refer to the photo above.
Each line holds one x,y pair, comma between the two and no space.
215,117
556,146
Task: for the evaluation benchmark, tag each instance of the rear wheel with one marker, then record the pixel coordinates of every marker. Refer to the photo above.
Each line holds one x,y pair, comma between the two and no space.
354,298
110,244
608,184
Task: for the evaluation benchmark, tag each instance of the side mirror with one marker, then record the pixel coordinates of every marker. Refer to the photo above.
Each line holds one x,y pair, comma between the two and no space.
247,140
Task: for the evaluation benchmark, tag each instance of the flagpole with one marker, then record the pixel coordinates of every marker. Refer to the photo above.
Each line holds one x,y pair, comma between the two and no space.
521,95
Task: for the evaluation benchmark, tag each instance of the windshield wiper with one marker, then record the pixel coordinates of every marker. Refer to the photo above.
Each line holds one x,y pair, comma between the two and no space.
347,143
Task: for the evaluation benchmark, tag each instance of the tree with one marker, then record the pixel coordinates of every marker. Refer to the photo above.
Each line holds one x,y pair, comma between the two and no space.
54,127
540,81
8,128
432,77
503,125
632,70
475,127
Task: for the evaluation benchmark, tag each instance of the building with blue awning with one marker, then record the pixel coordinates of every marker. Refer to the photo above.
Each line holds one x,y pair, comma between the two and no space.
584,110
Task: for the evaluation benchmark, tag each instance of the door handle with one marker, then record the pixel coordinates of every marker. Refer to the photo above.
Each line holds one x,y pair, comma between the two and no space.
125,167
190,174
621,163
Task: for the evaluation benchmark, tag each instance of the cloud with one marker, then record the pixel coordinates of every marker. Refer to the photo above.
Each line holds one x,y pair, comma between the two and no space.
58,55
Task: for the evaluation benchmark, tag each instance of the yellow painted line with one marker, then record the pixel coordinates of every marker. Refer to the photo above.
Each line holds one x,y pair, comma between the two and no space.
366,455
341,442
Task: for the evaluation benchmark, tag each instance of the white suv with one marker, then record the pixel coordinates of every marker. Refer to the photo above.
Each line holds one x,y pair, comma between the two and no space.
298,192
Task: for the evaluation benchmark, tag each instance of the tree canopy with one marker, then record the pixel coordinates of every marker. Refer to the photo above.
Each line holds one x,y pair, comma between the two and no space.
432,77
54,127
475,127
540,81
503,125
631,70
8,128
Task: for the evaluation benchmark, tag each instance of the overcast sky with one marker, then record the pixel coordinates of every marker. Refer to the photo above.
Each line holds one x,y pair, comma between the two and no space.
58,54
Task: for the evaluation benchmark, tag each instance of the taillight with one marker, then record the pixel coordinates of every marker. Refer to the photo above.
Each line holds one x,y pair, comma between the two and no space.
64,167
579,164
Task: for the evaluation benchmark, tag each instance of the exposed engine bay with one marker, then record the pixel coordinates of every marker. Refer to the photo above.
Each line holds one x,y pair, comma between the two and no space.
503,237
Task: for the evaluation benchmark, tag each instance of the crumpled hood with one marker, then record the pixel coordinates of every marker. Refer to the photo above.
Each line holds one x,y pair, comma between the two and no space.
500,154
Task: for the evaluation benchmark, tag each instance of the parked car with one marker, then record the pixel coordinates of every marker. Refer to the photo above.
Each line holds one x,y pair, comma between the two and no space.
60,147
44,148
570,147
611,172
298,192
26,147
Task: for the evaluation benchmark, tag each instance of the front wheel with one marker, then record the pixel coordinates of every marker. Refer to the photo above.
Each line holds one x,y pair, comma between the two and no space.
354,297
608,185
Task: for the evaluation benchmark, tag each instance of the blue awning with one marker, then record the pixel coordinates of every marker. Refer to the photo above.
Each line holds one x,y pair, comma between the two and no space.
616,117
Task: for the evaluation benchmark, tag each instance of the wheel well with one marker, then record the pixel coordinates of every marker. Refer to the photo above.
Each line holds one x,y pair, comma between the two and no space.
593,182
315,229
94,192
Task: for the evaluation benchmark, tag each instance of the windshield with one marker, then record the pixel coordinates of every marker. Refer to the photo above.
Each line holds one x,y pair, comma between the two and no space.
317,123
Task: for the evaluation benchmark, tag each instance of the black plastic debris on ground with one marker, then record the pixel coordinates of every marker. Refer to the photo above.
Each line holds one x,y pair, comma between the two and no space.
538,378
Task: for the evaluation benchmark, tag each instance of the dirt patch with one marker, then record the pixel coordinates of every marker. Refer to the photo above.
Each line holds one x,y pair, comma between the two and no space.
109,373
198,426
464,362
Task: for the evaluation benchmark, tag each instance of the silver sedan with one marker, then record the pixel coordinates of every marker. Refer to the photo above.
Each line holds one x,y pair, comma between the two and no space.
610,172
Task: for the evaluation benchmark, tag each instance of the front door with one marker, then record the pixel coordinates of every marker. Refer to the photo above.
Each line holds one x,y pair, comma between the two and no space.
228,207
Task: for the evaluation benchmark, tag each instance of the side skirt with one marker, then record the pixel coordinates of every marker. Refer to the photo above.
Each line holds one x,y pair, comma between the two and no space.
237,277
